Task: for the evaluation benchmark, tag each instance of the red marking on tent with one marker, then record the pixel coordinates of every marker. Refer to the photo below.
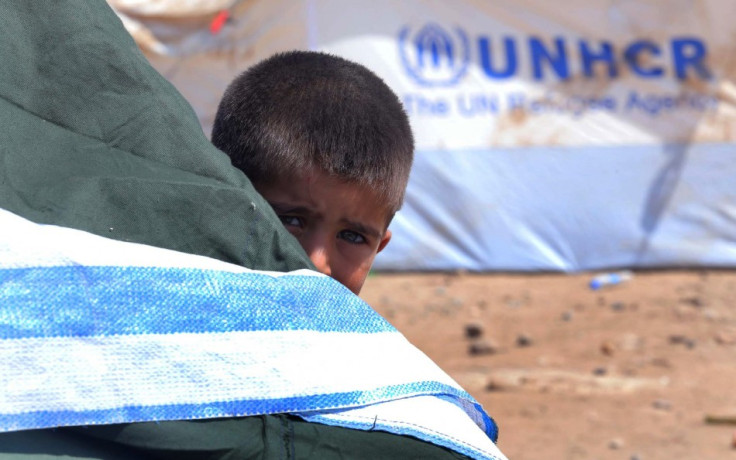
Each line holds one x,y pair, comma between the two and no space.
219,21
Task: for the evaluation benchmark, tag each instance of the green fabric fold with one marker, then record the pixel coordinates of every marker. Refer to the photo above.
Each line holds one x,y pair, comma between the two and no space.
95,139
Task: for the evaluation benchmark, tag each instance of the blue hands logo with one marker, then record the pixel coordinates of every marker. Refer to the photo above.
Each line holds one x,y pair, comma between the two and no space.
434,57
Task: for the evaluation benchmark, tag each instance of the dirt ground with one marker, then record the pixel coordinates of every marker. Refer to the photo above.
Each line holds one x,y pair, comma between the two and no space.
629,372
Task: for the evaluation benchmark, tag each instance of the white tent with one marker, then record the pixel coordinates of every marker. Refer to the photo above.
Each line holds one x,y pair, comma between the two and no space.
592,136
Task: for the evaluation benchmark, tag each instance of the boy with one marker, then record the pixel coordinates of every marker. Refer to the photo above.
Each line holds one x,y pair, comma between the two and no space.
329,146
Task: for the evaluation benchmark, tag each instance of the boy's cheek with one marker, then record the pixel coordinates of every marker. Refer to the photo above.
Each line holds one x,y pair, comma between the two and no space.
357,279
355,271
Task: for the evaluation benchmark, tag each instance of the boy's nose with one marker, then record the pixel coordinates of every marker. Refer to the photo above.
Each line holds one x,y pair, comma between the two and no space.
321,261
317,251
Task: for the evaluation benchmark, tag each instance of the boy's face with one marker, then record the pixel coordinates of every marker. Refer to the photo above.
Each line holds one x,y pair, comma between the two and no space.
338,224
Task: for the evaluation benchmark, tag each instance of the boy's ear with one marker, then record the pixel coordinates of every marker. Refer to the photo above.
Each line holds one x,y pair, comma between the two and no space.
384,241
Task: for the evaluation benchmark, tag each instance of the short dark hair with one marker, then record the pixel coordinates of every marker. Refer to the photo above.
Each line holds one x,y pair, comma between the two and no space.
310,109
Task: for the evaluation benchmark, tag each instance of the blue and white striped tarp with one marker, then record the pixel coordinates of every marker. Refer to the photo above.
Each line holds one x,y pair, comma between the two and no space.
95,331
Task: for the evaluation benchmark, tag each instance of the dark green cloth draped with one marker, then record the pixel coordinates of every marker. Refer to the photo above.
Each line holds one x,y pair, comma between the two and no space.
94,138
91,137
264,437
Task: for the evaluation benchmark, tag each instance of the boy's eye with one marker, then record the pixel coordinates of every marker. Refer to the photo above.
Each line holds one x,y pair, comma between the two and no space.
352,237
291,221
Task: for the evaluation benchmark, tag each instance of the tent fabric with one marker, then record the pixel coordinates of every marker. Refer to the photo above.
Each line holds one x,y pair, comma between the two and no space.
94,139
591,137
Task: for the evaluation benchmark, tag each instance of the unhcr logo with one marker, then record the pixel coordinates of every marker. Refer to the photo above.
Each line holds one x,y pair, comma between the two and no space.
434,57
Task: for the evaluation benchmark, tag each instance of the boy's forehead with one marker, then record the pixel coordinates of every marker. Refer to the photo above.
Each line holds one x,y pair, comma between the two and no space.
309,182
362,195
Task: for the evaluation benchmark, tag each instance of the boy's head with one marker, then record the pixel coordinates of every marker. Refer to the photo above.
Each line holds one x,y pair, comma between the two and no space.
329,146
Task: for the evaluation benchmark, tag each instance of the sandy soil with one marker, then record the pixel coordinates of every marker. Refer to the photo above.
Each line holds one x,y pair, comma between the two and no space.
626,372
